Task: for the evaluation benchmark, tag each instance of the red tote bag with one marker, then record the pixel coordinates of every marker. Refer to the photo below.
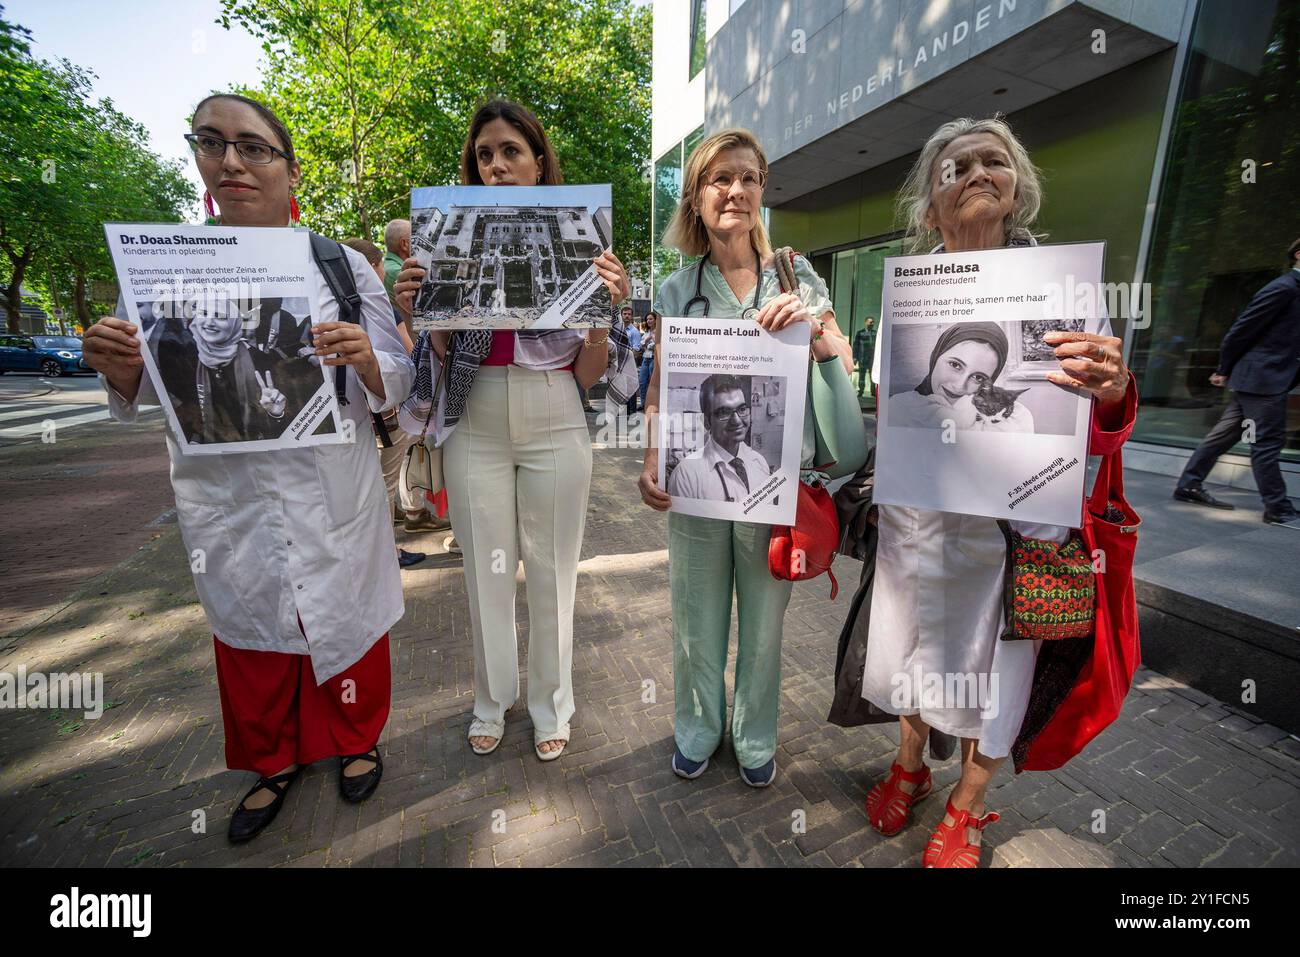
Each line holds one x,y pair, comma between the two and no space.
1110,528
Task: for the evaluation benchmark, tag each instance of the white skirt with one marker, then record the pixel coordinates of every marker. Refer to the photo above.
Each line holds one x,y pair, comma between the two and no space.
936,614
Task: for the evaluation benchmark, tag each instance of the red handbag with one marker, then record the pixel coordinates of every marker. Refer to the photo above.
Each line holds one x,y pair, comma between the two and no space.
807,548
1096,695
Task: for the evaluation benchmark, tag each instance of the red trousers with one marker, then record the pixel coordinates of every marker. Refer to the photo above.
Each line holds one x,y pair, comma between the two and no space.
276,715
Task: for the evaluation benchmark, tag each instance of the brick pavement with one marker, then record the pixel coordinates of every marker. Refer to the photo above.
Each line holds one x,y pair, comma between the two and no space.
1182,779
74,509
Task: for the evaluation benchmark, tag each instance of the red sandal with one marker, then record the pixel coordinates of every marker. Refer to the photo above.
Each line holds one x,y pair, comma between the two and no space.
948,846
889,806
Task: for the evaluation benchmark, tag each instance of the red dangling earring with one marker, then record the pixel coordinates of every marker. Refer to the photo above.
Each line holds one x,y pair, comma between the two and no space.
208,206
294,215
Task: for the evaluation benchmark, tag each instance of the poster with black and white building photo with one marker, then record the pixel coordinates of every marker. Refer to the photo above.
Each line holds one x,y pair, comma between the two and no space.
225,316
968,421
731,408
511,257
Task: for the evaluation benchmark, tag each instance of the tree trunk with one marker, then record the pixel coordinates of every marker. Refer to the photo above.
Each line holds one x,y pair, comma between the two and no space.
58,306
79,301
14,295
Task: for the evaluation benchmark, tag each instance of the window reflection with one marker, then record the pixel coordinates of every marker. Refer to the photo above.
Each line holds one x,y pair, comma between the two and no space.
1221,230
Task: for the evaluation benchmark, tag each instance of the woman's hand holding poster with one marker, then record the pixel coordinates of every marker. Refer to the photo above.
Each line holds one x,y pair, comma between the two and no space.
225,316
731,418
967,421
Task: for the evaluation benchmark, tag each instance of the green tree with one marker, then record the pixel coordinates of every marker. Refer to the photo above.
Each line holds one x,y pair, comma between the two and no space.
379,95
69,165
41,105
121,181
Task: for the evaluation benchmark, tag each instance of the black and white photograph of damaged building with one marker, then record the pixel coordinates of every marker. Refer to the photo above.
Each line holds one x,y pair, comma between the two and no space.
511,257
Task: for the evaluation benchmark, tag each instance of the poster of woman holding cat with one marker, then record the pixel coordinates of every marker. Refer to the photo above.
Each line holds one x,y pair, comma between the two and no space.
961,388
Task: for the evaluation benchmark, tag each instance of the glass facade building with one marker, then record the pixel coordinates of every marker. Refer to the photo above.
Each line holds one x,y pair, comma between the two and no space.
1226,211
1174,139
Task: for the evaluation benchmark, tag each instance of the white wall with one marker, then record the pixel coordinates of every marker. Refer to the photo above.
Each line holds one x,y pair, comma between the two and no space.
676,103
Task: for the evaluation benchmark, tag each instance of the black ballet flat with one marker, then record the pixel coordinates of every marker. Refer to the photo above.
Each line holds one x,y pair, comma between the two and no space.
247,823
359,787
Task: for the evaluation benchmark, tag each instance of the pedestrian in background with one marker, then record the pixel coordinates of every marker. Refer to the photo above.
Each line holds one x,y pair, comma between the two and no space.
647,367
863,347
634,342
397,245
414,516
1259,361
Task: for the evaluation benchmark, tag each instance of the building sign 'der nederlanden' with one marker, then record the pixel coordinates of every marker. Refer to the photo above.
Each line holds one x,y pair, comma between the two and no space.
893,73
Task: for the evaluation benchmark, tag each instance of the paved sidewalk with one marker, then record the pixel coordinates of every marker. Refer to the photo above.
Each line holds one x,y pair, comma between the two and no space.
73,509
1182,779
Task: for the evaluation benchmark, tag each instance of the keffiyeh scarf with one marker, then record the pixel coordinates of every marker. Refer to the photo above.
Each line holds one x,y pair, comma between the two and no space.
469,348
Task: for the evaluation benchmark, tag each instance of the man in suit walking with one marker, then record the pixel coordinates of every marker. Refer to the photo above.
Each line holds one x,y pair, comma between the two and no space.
863,344
1259,360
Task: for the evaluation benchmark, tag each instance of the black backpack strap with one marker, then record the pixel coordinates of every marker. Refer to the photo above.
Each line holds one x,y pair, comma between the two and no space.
333,263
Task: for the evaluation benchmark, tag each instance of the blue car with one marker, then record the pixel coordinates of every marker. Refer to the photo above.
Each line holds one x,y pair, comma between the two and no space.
48,355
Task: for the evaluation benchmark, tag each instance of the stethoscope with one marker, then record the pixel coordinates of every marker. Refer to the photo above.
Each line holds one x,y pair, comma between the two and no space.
699,297
726,493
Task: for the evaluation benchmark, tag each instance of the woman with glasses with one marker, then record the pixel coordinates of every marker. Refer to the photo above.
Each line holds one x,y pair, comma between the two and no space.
517,461
292,549
709,560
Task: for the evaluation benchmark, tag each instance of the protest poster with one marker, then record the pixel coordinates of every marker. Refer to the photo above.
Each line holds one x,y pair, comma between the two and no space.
225,315
511,257
731,408
967,421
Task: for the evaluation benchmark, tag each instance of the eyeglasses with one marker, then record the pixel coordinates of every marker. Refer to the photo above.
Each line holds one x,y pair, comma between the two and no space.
737,415
214,147
749,179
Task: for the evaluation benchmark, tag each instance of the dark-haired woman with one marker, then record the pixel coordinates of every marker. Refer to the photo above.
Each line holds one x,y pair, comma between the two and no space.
292,549
517,462
648,353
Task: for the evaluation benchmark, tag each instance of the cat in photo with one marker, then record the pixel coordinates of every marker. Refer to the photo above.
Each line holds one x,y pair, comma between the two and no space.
992,408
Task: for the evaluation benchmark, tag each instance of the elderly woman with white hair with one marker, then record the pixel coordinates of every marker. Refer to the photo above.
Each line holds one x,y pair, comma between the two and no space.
936,606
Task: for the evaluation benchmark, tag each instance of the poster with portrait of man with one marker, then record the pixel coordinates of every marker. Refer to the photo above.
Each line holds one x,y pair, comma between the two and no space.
225,317
968,421
731,409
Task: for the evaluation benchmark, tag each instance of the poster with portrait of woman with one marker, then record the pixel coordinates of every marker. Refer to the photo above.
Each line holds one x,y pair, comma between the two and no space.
225,317
968,421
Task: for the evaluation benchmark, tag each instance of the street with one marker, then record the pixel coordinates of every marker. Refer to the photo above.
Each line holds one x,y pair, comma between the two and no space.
34,408
80,492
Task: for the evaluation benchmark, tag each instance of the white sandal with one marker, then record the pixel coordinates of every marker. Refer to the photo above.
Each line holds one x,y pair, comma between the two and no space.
539,737
478,728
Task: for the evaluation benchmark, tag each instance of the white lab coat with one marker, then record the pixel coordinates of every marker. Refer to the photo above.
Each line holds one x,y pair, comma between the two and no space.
301,532
708,474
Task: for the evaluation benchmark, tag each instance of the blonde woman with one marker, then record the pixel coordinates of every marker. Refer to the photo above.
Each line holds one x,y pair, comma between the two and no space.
719,220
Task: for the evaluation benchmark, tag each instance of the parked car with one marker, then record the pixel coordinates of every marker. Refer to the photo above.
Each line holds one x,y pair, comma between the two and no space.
47,355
